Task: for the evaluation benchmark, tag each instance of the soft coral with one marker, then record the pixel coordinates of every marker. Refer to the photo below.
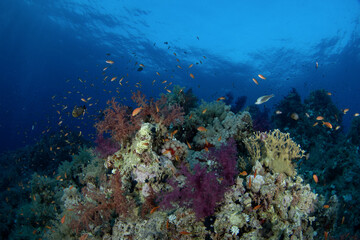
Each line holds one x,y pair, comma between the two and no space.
203,189
121,124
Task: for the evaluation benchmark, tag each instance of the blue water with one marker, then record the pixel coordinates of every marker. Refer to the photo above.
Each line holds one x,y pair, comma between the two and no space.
53,55
43,44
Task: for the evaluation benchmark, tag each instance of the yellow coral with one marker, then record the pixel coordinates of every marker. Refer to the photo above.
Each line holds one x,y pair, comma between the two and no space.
277,152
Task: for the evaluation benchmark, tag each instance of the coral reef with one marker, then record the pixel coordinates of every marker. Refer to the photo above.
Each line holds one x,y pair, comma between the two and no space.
278,150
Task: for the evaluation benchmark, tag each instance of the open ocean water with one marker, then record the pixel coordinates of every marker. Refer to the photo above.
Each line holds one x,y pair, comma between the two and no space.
179,119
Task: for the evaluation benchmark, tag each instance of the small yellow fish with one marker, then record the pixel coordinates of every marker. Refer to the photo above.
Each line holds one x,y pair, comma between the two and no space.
158,73
169,91
329,93
84,100
315,124
204,111
278,112
337,128
356,114
345,110
113,79
141,65
319,118
109,62
192,76
261,76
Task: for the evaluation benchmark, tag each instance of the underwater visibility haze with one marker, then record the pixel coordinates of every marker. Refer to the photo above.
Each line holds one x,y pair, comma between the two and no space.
179,119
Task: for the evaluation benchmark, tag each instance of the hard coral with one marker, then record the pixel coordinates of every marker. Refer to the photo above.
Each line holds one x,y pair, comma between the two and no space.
279,150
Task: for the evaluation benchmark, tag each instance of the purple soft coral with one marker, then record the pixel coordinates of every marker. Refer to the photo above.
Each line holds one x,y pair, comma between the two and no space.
106,146
202,189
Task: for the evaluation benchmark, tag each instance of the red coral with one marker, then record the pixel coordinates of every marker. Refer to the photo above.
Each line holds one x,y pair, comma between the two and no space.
101,209
158,111
119,122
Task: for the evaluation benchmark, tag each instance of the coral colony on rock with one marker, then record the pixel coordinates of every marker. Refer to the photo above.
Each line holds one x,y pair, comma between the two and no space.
165,173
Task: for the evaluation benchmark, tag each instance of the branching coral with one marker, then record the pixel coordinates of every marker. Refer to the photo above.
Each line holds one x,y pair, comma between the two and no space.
99,206
203,189
122,125
279,150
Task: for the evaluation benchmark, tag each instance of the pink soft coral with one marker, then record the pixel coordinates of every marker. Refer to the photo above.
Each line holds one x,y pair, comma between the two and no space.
120,123
101,208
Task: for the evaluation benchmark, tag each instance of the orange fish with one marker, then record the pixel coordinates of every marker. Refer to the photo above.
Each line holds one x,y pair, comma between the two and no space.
136,111
178,66
329,93
204,111
192,76
84,100
315,178
327,124
261,76
326,234
326,206
188,145
342,220
164,81
141,65
158,73
243,173
219,139
220,98
173,133
113,79
356,114
249,182
84,237
255,173
169,91
257,207
109,62
255,81
190,116
71,187
63,219
154,209
184,233
166,152
345,110
320,118
201,129
157,108
191,65
315,124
